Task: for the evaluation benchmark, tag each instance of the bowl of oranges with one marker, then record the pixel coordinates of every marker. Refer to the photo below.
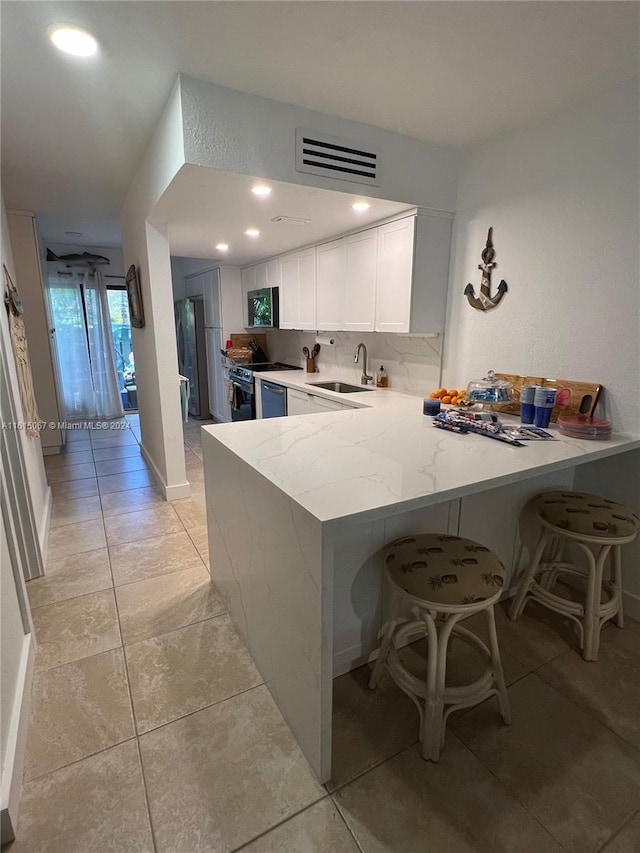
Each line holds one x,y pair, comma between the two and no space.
451,397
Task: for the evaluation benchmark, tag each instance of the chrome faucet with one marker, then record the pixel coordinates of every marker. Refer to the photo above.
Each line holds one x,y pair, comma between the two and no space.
365,378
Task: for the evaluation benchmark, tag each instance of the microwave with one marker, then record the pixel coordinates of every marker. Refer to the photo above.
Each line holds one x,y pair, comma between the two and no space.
263,308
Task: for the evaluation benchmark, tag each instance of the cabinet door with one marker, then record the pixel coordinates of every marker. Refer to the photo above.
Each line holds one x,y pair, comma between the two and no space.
248,279
211,294
359,288
300,403
330,285
321,404
218,403
307,285
273,273
298,290
395,276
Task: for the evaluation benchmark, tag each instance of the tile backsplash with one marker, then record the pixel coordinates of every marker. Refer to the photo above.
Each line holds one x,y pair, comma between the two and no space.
413,362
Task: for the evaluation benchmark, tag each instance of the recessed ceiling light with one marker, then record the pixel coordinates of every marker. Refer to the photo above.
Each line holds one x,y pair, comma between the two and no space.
222,247
73,40
360,205
252,232
261,189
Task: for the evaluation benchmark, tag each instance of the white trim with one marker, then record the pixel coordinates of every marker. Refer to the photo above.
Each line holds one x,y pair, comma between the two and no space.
170,493
12,772
631,604
45,524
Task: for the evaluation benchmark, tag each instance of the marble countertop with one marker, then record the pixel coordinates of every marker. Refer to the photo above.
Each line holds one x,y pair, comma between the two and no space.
385,456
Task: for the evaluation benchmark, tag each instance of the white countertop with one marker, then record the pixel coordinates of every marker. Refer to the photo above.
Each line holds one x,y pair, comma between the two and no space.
385,456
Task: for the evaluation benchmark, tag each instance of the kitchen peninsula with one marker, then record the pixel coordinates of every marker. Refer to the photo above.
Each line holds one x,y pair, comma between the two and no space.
299,508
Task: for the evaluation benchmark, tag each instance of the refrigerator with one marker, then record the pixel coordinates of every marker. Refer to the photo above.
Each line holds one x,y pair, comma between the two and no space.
192,353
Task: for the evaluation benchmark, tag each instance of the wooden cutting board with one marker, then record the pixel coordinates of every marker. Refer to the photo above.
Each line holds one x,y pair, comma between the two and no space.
573,398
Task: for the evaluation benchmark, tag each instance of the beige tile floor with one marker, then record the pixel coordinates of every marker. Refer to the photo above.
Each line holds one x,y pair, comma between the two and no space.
152,731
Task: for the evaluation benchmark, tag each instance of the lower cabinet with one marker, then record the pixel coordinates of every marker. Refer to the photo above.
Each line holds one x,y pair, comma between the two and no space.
217,376
303,403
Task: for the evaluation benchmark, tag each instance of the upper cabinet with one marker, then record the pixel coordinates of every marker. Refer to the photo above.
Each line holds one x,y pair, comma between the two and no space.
346,283
388,278
266,274
298,290
413,271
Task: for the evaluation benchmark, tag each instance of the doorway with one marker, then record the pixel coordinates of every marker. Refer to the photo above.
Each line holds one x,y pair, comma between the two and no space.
91,334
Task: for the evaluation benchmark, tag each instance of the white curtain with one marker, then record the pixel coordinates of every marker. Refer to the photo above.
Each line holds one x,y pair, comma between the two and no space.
87,379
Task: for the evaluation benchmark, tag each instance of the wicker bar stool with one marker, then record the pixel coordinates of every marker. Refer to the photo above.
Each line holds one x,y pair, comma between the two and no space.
446,579
597,527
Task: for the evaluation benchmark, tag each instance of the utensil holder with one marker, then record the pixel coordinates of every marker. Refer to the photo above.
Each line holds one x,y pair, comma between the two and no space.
311,365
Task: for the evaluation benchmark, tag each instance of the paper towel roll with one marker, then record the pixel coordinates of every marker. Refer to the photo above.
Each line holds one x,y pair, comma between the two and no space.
326,342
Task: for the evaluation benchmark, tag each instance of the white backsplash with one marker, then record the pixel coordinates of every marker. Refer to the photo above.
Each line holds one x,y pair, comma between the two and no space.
412,362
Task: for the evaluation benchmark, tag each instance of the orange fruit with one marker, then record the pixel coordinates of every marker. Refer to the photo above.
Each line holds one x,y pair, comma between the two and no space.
453,392
433,395
446,399
440,393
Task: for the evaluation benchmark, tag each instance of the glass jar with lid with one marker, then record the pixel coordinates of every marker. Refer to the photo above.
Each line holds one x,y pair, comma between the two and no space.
490,391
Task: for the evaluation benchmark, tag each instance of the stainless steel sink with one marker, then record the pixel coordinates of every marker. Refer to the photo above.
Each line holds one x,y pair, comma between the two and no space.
340,387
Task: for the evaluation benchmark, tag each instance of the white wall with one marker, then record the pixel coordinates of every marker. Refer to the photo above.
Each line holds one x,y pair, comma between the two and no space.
562,197
237,132
31,447
17,650
154,347
411,361
27,277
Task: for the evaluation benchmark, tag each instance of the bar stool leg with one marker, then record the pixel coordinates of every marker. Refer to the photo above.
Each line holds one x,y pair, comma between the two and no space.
519,599
498,672
591,643
386,643
432,732
617,579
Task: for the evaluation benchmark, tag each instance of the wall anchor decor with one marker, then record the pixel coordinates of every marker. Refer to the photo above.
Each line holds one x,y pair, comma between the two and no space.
485,301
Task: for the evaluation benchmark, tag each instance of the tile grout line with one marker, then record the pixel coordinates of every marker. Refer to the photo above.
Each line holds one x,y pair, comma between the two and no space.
78,760
134,718
198,710
345,822
280,823
617,831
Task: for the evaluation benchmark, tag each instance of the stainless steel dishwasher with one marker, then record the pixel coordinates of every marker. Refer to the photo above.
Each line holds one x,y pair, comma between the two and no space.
274,400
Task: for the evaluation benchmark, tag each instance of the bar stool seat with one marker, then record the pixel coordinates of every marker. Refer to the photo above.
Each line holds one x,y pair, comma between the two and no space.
445,579
597,527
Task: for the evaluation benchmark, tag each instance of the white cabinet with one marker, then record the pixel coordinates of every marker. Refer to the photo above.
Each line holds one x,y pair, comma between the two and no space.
304,403
361,260
266,274
331,272
346,283
298,290
218,400
412,274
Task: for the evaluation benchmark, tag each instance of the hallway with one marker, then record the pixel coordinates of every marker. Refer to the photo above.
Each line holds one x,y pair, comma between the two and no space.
152,730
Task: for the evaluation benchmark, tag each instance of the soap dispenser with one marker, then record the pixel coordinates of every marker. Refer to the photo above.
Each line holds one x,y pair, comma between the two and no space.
382,380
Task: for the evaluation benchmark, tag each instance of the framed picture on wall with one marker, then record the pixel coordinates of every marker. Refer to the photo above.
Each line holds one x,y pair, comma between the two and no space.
134,295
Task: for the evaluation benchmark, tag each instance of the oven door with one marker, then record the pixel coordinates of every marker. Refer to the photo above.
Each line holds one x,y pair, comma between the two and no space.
243,407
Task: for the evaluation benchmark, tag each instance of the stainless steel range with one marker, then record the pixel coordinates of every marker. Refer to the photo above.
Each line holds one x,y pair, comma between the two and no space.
243,403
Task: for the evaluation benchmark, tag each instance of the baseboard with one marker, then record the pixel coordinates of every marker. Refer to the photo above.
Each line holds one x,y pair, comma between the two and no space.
631,605
170,493
45,525
11,784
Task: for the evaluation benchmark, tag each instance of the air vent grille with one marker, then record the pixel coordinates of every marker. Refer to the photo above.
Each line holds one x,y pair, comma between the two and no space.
335,158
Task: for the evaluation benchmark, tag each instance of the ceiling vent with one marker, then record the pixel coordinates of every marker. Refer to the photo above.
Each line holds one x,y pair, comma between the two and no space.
291,220
331,157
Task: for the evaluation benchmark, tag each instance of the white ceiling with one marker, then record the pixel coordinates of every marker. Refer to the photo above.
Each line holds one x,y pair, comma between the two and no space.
454,73
203,207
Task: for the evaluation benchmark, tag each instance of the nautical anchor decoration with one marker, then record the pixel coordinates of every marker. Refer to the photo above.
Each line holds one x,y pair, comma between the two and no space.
485,301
